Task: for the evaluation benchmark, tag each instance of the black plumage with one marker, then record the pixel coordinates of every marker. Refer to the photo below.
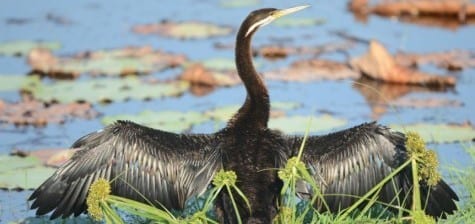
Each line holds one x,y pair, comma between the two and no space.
169,168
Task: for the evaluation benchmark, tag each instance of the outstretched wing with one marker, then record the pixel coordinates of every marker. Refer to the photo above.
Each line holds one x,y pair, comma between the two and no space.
164,167
351,162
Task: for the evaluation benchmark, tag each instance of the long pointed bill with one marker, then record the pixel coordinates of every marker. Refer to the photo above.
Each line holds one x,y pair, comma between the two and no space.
284,12
276,14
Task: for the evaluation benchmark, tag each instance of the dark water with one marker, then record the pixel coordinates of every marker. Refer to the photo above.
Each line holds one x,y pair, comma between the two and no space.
91,25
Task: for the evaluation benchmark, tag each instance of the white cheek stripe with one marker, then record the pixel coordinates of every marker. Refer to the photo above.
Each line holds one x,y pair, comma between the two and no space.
263,22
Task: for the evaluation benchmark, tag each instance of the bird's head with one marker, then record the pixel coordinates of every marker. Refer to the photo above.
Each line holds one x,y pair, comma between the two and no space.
262,17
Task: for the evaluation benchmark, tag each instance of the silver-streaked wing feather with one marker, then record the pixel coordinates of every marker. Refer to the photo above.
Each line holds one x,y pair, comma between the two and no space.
164,167
349,163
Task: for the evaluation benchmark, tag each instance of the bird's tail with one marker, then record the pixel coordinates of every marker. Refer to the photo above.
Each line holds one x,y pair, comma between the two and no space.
438,200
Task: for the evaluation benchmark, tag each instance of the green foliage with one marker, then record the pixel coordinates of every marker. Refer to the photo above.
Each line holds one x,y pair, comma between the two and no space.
292,211
427,159
419,217
100,203
98,193
466,178
23,47
227,180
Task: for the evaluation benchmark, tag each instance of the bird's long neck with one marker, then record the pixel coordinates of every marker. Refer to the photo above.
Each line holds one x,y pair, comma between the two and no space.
255,110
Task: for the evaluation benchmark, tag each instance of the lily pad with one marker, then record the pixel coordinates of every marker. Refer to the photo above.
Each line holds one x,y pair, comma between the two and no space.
381,96
226,112
238,3
53,157
198,74
31,112
453,60
298,21
315,69
12,82
220,64
442,13
183,30
173,121
22,173
11,163
426,102
279,51
379,64
222,113
131,60
298,124
285,105
23,47
105,90
440,133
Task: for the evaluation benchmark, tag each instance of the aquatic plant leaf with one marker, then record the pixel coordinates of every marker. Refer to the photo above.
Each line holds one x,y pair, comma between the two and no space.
183,30
315,69
440,133
298,124
281,105
10,163
13,82
126,61
453,60
222,113
23,47
53,157
297,21
279,51
238,3
225,64
422,7
22,173
174,121
225,113
426,102
378,64
221,64
31,112
449,14
105,90
381,96
197,74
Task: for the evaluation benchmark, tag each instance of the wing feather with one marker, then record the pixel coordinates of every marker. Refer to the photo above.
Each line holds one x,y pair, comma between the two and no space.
166,168
350,162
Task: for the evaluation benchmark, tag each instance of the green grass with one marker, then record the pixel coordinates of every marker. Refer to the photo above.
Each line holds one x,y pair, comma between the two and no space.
299,211
466,178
